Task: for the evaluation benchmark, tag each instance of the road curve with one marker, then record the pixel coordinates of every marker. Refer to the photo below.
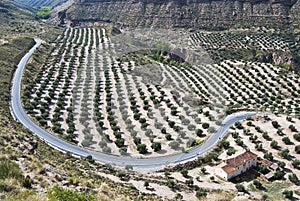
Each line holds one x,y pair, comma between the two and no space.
20,115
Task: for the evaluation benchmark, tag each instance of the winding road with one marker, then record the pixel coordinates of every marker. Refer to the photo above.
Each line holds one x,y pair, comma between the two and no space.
20,115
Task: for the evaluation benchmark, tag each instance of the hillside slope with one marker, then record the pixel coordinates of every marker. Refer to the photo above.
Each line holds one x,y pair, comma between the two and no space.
34,3
216,14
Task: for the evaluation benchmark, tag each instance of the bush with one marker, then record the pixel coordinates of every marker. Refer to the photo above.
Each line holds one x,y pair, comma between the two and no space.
156,146
296,163
191,142
293,178
297,137
284,153
201,193
263,168
189,182
286,140
230,151
240,187
142,148
225,144
26,182
174,145
9,169
257,184
205,125
287,193
171,184
184,172
60,194
297,149
275,124
274,144
278,175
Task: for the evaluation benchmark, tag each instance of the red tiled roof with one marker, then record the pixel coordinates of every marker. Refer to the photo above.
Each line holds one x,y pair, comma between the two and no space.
266,162
228,169
240,159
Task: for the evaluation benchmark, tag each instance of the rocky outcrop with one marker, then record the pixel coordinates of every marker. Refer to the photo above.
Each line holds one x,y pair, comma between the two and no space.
216,14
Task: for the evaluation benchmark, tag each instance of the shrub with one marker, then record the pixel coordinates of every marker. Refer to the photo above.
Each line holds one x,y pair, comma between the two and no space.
297,137
168,136
184,172
284,153
293,178
174,145
156,146
199,132
296,163
201,192
287,193
297,149
257,184
142,148
278,175
171,184
274,144
275,124
263,168
286,140
230,151
205,125
240,187
225,144
60,194
26,182
9,169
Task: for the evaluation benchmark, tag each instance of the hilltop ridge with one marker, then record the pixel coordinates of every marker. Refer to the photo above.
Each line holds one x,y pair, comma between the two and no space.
209,14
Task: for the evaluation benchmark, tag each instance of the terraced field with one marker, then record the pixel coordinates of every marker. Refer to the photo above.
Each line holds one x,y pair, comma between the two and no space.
146,104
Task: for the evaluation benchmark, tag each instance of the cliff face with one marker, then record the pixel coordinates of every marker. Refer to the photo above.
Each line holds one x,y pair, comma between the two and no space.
187,13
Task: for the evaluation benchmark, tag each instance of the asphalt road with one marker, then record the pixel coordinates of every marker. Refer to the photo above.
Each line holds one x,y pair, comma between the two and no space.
21,116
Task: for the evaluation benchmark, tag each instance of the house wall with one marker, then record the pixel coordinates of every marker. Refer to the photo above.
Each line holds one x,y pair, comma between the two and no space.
244,168
239,170
221,173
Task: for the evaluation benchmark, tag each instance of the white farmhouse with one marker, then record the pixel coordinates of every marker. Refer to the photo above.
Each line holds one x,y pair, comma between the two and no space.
233,167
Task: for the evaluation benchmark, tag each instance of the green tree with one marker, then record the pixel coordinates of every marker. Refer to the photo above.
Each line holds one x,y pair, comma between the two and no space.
286,140
168,136
142,148
296,163
278,175
225,144
297,149
201,192
257,184
240,187
184,172
146,184
205,125
263,168
189,182
199,132
275,124
203,170
284,153
171,184
274,144
293,178
288,194
156,146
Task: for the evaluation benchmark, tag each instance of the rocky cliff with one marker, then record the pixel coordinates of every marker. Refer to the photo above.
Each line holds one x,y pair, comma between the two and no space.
216,14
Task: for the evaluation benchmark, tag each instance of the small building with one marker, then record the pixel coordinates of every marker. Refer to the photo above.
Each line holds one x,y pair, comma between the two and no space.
237,165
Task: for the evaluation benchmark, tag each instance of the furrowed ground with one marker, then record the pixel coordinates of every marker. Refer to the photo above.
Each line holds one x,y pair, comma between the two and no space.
147,104
88,97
